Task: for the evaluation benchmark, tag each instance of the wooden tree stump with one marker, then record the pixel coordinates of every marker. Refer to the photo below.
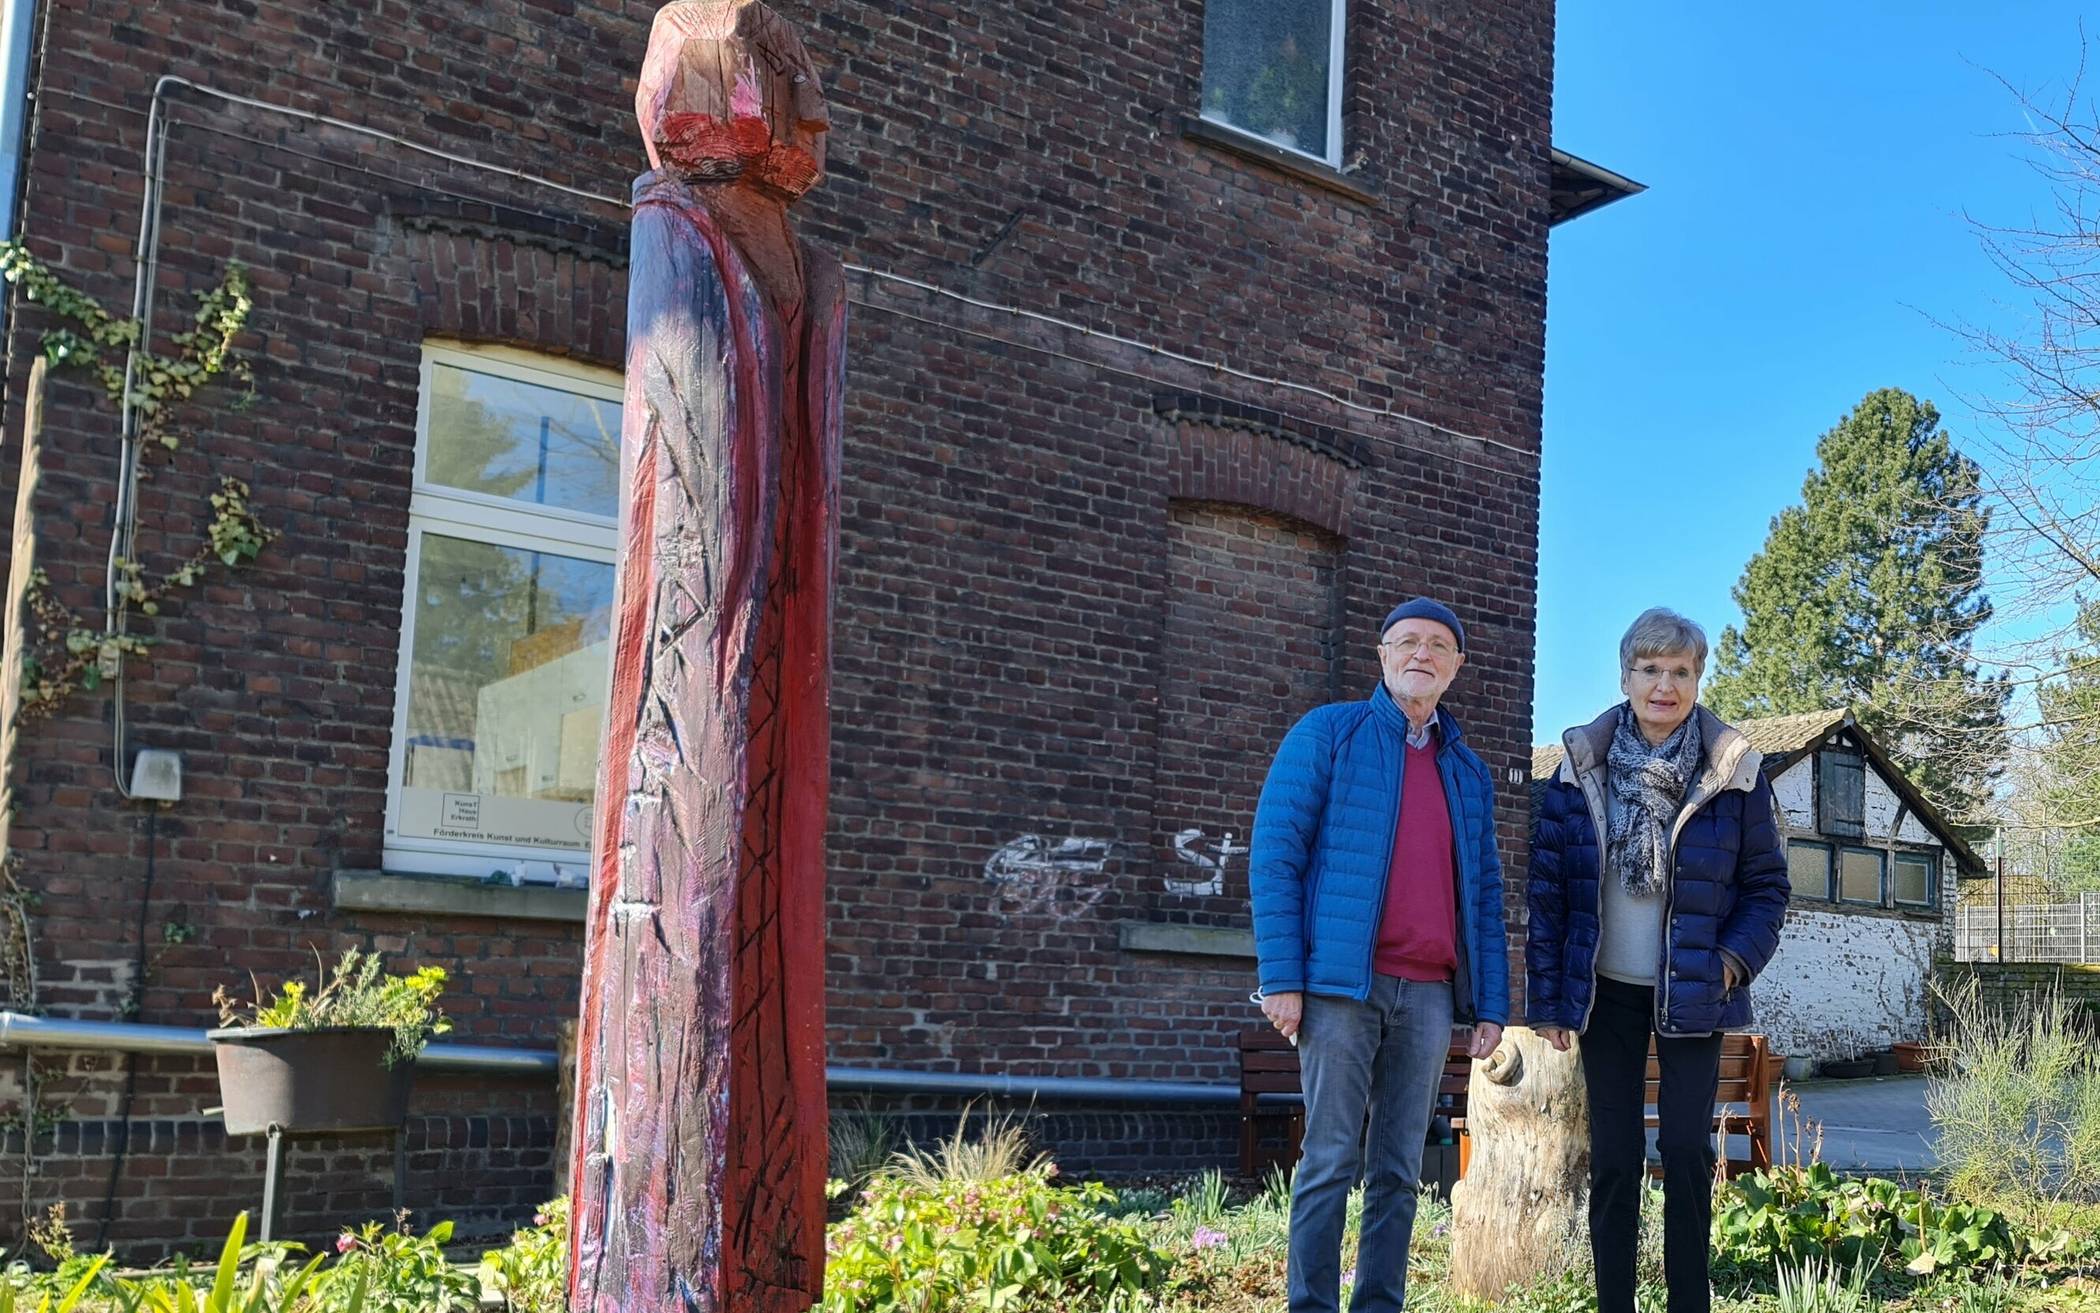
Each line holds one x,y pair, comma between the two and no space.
1520,1214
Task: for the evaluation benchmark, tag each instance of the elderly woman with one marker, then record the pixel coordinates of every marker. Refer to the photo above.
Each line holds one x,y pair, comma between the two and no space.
1658,884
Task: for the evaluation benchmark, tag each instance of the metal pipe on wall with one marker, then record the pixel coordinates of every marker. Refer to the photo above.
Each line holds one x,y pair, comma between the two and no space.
16,24
18,1030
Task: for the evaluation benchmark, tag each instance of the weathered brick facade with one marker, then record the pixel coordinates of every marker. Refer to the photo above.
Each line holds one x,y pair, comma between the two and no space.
1085,583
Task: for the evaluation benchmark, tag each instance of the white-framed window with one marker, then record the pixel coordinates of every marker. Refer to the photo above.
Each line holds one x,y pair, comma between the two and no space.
1916,880
506,618
1273,69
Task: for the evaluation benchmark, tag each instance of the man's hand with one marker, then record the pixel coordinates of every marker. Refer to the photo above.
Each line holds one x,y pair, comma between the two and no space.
1486,1036
1558,1036
1283,1012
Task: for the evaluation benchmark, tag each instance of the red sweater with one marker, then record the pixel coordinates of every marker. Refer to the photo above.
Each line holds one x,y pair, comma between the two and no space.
1418,936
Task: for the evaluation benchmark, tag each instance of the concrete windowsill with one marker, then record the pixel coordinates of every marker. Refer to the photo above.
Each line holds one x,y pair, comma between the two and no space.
442,895
1185,940
1276,157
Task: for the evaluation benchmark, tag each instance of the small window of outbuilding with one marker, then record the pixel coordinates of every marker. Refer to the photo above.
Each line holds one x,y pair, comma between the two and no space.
1914,881
1841,793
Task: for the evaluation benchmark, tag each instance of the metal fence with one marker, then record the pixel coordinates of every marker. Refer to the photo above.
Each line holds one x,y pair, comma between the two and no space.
2067,930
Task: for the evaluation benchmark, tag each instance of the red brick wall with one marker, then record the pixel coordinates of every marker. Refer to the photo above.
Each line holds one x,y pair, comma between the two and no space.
1250,646
1005,622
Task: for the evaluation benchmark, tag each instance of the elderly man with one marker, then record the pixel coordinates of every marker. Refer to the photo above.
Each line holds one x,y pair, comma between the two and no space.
1378,921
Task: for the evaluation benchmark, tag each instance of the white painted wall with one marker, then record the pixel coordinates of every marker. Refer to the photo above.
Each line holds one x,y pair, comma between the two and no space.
1843,982
1796,791
1882,804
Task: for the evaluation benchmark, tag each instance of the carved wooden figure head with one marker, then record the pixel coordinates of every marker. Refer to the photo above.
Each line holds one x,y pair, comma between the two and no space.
728,94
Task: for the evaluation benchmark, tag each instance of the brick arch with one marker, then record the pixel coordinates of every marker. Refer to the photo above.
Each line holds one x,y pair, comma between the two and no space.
509,290
1251,606
1251,464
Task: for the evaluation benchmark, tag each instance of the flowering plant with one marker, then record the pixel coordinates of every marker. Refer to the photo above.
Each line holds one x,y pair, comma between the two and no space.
354,993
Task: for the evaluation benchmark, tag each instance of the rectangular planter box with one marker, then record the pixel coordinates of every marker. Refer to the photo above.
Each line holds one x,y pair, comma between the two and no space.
310,1081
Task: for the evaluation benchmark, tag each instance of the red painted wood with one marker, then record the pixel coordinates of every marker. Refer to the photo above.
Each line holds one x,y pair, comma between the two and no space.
700,1120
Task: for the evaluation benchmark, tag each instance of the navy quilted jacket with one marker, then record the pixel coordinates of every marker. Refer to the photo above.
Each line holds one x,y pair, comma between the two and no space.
1726,897
1323,848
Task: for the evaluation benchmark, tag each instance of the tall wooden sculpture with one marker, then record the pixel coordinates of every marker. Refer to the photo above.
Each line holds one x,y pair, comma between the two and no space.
699,1164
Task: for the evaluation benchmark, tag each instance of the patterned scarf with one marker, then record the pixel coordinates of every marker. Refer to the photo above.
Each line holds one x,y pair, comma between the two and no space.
1648,785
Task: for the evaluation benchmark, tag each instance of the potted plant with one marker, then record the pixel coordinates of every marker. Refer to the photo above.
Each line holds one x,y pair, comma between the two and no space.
1910,1055
339,1057
1848,1068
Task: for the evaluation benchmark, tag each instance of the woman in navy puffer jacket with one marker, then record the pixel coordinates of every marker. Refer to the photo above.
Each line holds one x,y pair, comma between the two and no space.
1658,886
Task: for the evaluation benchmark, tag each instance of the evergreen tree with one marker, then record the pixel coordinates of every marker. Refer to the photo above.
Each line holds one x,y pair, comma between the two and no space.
1869,594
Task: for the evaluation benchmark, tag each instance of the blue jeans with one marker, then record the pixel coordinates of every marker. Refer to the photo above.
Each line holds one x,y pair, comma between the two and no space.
1383,1057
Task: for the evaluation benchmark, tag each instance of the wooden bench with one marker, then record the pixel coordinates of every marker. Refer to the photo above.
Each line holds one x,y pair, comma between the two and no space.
1272,1098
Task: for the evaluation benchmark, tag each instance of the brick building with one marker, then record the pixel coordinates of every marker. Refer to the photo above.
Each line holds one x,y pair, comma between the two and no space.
1280,273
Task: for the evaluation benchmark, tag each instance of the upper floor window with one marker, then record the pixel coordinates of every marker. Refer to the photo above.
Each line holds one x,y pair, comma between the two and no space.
1273,69
1916,880
1808,868
505,629
1841,793
1862,876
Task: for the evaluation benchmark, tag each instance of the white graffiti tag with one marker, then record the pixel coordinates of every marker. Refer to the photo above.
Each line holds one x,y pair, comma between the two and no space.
1060,877
1206,855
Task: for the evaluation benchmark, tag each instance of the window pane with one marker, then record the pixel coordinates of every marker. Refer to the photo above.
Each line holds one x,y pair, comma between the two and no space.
506,695
532,444
1861,876
1913,879
1265,69
1808,867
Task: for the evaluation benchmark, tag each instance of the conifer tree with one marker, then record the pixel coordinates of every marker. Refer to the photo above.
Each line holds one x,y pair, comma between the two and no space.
1869,594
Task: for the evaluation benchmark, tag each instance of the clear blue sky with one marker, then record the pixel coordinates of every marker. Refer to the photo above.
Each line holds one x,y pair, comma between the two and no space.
1809,166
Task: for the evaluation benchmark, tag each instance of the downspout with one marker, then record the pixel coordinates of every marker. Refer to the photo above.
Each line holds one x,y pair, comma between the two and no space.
16,26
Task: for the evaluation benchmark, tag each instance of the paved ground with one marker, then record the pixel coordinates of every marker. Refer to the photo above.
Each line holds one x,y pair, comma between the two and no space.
1876,1124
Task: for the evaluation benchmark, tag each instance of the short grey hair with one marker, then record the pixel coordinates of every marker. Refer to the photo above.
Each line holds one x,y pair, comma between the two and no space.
1659,631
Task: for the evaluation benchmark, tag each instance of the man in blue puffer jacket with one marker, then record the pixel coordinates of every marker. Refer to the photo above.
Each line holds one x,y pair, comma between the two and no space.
1378,921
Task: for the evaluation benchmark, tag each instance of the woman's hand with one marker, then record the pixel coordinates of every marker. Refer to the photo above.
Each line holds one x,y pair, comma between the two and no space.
1558,1036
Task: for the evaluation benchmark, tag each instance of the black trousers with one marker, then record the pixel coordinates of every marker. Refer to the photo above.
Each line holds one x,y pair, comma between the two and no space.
1615,1069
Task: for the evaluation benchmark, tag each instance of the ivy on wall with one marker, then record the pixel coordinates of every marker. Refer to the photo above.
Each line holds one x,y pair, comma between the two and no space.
64,654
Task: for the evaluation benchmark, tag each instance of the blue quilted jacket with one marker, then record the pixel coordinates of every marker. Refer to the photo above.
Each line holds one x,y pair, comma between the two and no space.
1726,896
1323,848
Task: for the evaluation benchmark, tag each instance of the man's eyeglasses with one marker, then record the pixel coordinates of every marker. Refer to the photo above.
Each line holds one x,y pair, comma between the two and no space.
1440,648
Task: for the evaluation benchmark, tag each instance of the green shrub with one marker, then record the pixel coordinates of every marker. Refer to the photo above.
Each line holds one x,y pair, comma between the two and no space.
532,1271
1791,1216
1013,1242
2018,1108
